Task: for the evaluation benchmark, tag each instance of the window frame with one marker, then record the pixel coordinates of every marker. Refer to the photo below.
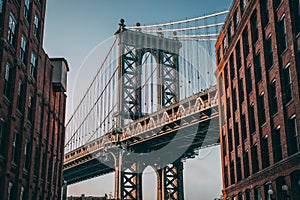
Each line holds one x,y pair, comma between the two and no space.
23,49
12,26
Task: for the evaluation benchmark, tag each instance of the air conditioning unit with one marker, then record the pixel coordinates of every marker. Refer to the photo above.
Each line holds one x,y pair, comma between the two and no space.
59,75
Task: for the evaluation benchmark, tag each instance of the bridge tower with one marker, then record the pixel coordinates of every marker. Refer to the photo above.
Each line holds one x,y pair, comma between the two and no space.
133,45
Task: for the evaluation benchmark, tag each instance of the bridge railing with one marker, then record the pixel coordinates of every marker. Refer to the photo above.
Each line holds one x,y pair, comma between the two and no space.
191,105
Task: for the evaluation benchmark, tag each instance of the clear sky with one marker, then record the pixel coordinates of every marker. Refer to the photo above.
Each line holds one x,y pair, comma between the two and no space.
73,28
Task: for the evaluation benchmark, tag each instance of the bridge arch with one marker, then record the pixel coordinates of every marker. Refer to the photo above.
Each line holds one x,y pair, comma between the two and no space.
149,82
150,183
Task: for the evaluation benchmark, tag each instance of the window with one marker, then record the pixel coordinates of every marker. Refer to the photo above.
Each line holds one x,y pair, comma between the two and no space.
246,164
26,9
269,53
298,15
222,115
245,42
277,3
282,37
20,96
30,109
219,55
257,67
36,30
261,109
236,18
243,127
221,85
265,12
7,81
11,29
26,155
232,177
23,49
33,65
229,33
257,193
226,77
292,135
234,103
230,146
9,192
280,194
228,109
36,162
265,152
248,80
226,176
224,145
251,119
254,27
295,186
15,150
267,187
243,5
240,196
21,193
238,169
241,90
287,84
276,145
238,55
2,137
44,165
224,44
231,60
273,98
236,134
248,195
254,158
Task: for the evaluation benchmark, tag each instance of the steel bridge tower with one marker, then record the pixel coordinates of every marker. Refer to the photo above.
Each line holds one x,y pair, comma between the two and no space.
133,45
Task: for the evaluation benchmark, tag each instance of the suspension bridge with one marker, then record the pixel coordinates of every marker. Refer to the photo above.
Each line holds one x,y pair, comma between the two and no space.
152,102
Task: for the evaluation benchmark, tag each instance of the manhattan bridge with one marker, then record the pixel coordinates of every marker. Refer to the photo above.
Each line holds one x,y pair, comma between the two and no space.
152,102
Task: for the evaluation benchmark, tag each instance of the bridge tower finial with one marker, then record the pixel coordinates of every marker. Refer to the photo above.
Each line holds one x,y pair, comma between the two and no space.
121,26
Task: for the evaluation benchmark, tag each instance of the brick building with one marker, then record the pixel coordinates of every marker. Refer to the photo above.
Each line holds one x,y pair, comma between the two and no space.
258,74
32,105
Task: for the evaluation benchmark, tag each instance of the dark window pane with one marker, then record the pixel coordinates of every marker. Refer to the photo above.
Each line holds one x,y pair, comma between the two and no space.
276,144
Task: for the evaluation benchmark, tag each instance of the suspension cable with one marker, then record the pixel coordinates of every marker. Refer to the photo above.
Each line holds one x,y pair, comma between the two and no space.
180,22
102,92
85,94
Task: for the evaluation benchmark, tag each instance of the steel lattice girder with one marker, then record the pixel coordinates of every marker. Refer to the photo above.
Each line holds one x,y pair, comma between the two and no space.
131,186
170,78
173,181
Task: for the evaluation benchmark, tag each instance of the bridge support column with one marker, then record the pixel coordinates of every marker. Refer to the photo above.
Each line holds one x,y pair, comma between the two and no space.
131,182
170,182
128,179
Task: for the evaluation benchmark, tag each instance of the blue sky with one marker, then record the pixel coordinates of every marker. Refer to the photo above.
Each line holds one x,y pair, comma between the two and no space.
73,28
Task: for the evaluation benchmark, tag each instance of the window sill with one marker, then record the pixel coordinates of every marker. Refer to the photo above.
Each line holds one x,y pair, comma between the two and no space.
284,52
19,113
289,102
6,99
270,68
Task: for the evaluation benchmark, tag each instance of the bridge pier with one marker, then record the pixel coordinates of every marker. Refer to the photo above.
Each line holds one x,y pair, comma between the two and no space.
170,182
128,179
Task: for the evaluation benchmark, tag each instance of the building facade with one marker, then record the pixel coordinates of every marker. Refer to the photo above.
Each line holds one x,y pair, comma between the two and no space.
258,75
32,105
